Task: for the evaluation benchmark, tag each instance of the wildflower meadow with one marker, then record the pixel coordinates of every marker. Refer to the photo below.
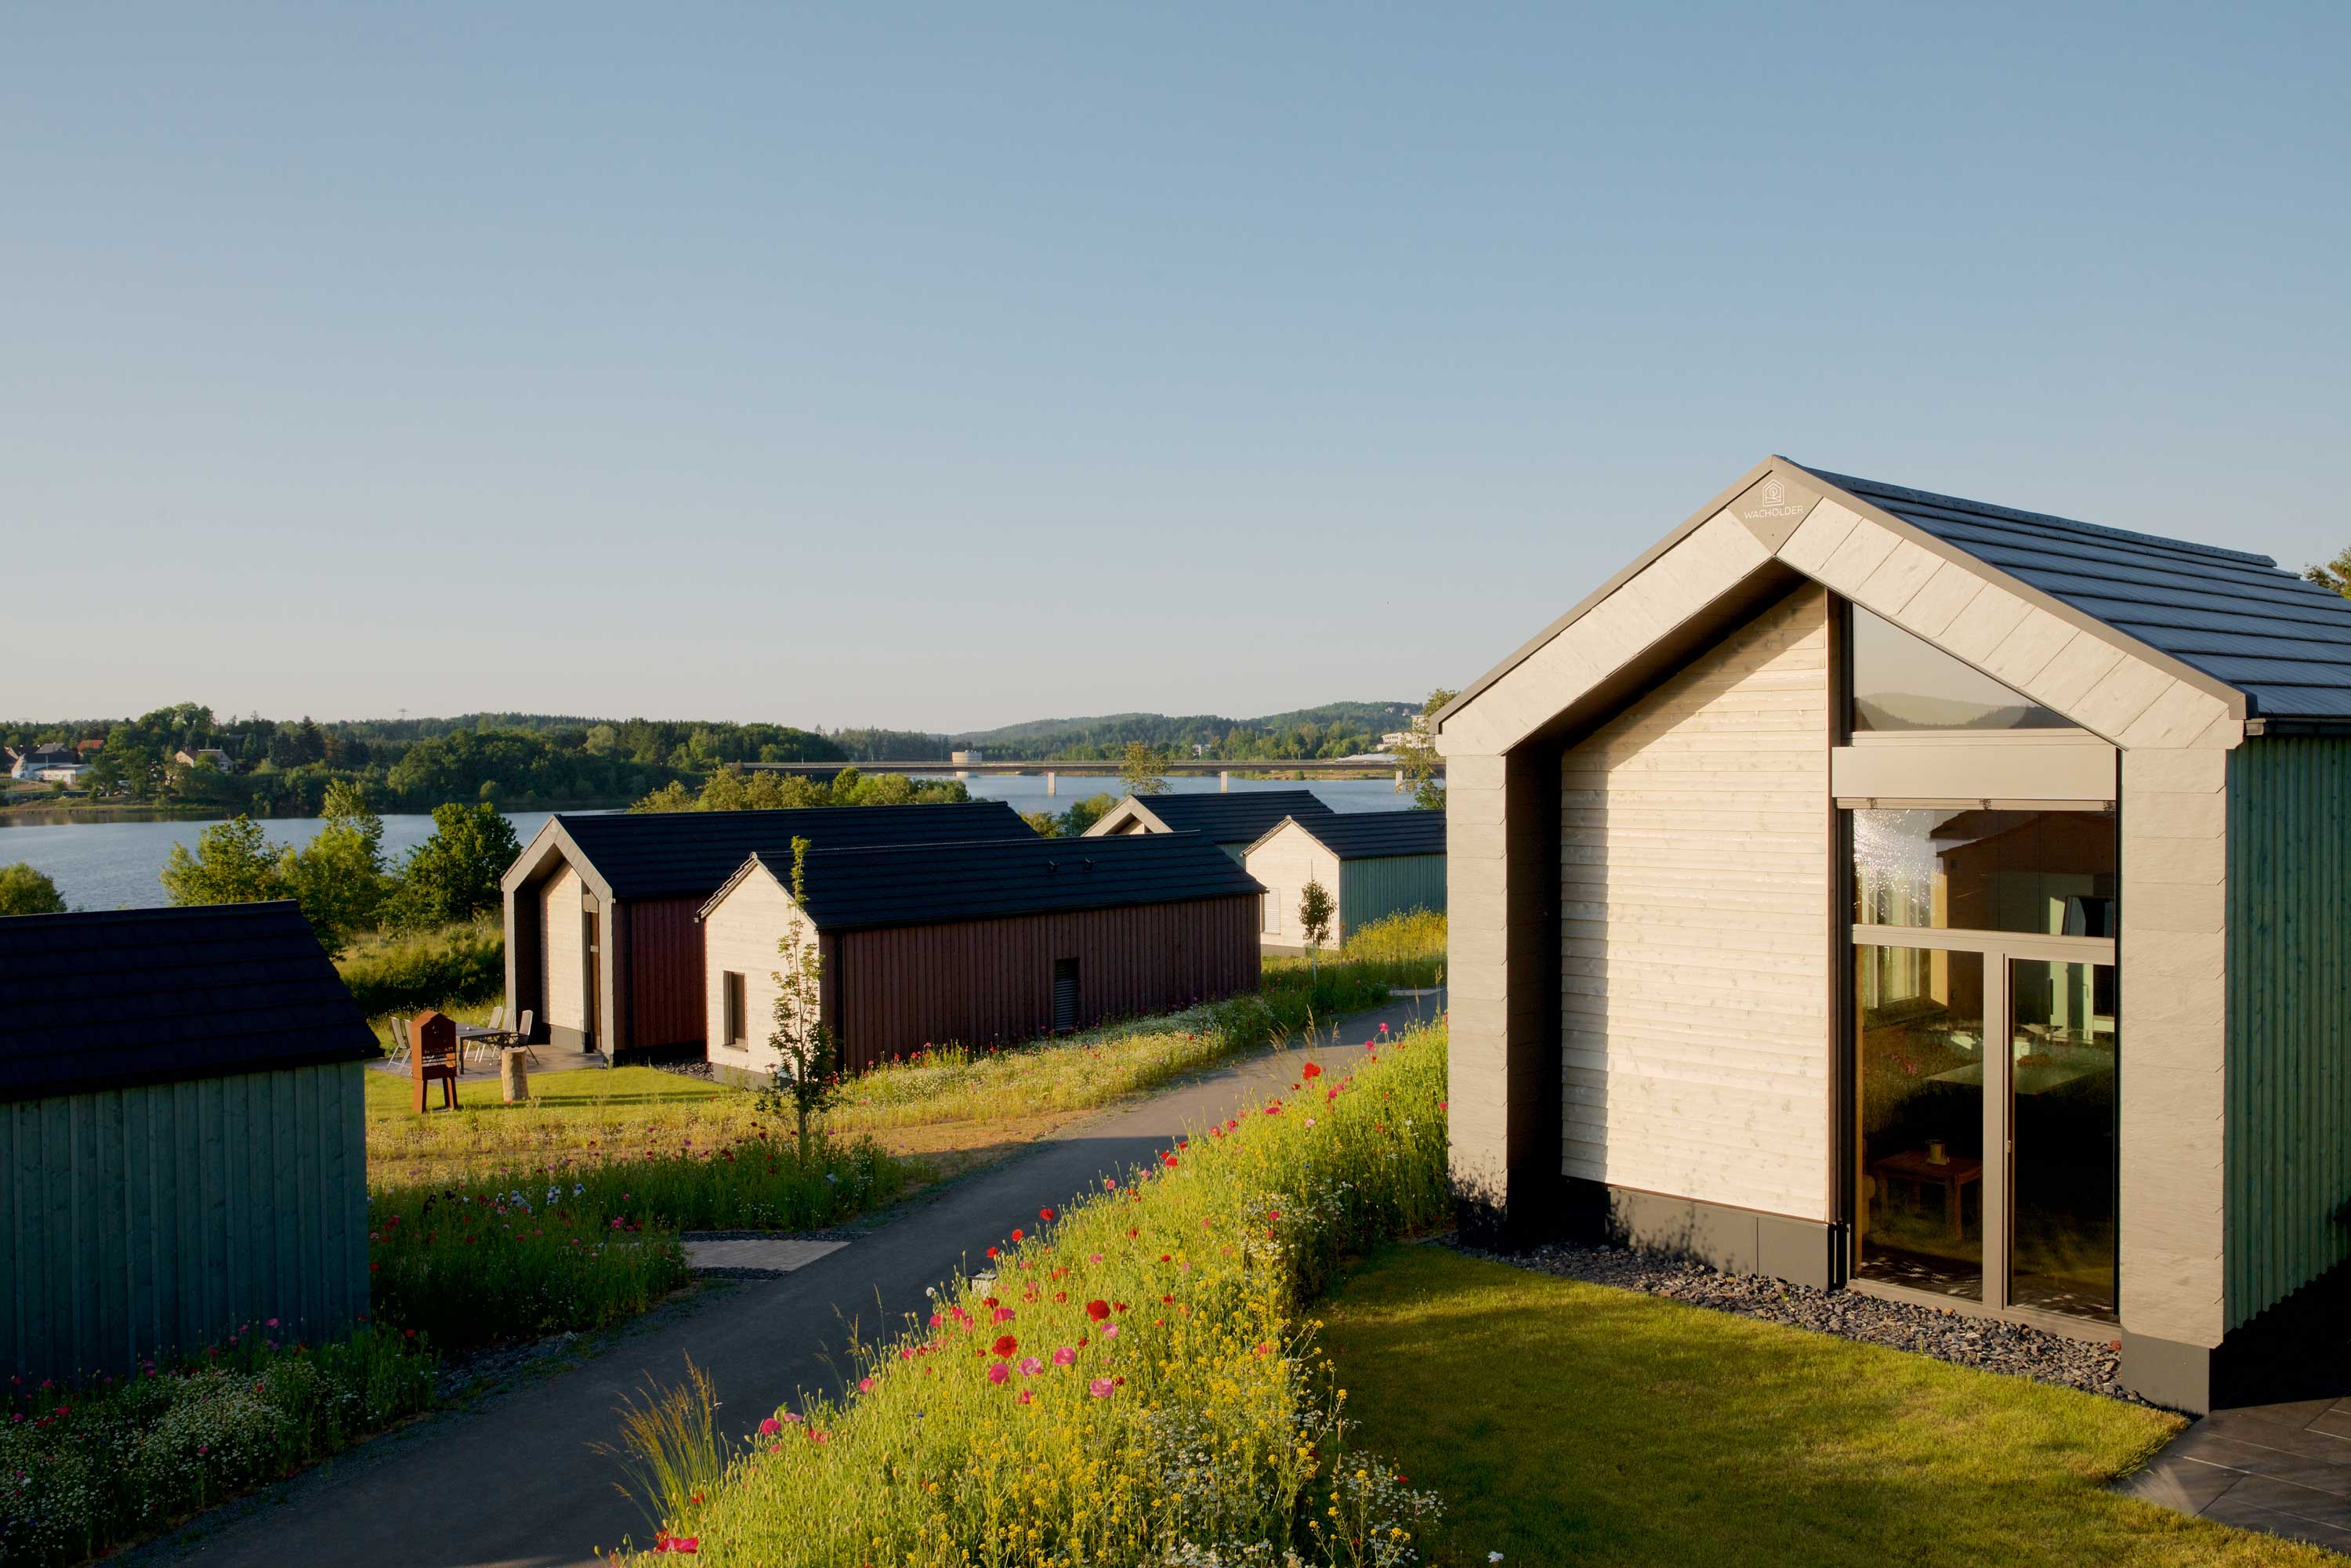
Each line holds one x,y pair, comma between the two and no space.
580,1246
1136,1383
88,1467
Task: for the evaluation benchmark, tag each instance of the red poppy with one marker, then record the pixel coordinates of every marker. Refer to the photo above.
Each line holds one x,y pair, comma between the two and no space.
1016,1235
1006,1344
1046,1215
991,1251
1097,1310
1311,1070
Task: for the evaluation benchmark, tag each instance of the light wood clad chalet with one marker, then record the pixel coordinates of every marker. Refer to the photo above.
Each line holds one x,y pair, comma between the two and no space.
1898,893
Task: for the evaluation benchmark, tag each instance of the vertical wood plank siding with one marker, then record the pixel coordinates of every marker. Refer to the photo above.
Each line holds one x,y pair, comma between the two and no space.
985,981
2289,1017
665,1003
135,1222
1372,890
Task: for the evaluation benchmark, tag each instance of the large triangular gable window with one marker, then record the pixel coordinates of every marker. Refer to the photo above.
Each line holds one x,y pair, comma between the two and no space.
1901,682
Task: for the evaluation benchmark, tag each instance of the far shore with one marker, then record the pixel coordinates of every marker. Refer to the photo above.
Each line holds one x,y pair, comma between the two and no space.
49,813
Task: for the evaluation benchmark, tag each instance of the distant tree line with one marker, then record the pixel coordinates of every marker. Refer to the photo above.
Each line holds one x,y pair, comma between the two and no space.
283,768
340,878
732,790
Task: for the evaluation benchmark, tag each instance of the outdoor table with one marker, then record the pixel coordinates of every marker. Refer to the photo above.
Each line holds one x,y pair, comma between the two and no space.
1915,1170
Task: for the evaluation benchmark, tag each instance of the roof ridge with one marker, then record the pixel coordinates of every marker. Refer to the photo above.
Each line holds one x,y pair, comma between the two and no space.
1989,510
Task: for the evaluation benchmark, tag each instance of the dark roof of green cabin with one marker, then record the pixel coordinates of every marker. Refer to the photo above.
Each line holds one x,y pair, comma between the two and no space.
121,998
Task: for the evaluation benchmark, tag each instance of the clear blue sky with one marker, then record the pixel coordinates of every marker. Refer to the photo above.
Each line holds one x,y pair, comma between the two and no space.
950,369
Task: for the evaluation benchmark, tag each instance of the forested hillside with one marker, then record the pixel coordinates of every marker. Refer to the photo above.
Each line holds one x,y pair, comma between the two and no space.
282,767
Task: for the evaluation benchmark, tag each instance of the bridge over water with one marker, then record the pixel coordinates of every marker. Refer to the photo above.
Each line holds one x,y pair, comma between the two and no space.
1223,768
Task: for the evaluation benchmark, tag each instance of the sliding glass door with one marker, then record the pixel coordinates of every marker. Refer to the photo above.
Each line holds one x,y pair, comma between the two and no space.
2062,1121
1985,1056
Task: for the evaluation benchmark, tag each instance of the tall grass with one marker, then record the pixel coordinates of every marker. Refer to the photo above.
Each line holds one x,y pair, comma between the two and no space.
569,1247
670,1445
85,1469
1137,1382
400,971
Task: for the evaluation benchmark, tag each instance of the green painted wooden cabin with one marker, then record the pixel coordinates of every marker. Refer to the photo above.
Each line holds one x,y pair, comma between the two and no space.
183,1138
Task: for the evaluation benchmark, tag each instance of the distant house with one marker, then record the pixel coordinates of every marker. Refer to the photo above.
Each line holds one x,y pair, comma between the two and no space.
49,764
600,940
1232,822
214,754
1372,864
996,941
182,1123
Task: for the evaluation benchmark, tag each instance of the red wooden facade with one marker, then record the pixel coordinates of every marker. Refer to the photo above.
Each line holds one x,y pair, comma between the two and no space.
895,990
665,1004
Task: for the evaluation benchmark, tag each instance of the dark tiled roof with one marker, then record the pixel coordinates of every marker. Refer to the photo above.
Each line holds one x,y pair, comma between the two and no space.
929,884
673,854
1238,817
130,997
2285,643
1370,835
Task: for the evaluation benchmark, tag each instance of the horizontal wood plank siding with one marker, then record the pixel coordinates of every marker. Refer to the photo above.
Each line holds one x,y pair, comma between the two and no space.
2288,1021
991,981
1285,863
560,951
137,1223
665,993
1694,866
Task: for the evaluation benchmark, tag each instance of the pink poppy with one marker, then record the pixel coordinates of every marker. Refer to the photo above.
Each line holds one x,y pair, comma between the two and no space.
997,1372
1064,1356
1100,1387
770,1426
1031,1366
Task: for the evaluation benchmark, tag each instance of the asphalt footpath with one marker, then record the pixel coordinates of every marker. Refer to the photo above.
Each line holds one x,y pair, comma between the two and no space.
516,1478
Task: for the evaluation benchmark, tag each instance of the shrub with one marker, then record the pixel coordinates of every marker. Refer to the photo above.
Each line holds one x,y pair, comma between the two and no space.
402,971
1138,1383
567,1247
83,1469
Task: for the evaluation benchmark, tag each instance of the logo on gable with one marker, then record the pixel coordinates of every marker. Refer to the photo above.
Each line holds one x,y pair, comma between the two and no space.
1771,499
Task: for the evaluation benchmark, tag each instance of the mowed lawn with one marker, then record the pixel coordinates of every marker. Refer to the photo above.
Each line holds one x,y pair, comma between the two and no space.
1567,1423
945,1113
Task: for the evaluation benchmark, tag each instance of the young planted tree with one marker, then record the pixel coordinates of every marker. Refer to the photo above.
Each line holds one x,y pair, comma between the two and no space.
808,1069
1140,771
1314,912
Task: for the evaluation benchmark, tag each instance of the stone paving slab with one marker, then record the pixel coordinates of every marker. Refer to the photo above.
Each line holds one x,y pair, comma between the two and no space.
2275,1468
756,1255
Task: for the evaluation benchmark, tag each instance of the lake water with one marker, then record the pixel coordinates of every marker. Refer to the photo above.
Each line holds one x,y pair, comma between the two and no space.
112,866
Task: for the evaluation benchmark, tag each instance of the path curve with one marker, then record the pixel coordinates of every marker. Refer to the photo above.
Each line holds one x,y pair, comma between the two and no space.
515,1482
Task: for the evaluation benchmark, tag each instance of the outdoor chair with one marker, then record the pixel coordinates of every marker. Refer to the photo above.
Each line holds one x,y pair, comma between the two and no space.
521,1036
488,1044
398,1054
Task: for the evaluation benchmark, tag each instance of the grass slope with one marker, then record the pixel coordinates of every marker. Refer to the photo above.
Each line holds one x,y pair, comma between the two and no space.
1564,1422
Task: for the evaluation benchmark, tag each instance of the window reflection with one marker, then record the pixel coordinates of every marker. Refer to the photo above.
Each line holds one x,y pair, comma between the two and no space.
1922,1099
1904,683
2050,874
2063,1121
